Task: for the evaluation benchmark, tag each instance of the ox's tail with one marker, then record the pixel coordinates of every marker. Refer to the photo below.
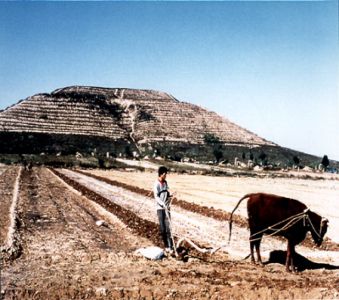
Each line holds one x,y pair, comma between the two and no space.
230,220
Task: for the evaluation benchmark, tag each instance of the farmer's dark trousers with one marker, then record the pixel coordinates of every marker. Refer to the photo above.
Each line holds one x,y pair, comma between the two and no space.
165,228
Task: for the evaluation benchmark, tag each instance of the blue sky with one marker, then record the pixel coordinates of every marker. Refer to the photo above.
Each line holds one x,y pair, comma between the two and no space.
271,67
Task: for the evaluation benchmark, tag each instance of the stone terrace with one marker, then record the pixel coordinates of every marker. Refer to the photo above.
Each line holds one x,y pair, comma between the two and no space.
140,115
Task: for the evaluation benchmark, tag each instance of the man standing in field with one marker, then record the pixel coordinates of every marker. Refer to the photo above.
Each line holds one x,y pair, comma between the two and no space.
163,203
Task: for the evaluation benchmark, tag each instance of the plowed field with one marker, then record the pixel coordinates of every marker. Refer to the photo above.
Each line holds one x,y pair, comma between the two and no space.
61,253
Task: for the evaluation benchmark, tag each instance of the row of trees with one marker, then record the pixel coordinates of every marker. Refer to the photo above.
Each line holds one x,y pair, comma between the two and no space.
325,162
215,142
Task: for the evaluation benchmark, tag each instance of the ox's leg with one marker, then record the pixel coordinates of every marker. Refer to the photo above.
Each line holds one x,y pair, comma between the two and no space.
252,251
289,256
256,244
257,248
252,243
292,251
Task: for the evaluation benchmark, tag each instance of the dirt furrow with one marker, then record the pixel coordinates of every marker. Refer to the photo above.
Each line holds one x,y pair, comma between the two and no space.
211,212
7,181
217,214
204,231
138,225
66,256
240,235
207,231
61,243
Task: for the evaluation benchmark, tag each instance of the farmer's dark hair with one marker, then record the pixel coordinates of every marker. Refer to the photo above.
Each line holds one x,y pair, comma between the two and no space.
162,170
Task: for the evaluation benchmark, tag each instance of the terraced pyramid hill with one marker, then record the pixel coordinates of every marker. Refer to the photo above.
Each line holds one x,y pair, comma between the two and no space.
121,122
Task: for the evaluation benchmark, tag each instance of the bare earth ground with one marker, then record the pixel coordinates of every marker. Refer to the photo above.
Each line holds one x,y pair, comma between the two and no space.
321,195
66,255
7,179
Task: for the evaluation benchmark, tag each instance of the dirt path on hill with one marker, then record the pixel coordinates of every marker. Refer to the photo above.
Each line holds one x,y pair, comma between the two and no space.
67,256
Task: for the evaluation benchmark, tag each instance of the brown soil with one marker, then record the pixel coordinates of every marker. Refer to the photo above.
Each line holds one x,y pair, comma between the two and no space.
7,180
217,214
65,255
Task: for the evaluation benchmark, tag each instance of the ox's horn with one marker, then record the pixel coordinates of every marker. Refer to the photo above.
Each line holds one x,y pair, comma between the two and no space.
324,220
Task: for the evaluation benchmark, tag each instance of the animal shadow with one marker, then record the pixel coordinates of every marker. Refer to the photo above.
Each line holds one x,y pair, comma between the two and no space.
300,262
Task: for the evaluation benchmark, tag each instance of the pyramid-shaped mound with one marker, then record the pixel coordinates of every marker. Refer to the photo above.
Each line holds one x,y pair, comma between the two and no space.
139,116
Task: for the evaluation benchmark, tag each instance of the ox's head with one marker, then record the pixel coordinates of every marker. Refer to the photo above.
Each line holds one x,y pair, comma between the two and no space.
318,227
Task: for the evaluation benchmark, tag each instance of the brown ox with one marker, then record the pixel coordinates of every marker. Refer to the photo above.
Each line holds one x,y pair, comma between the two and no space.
275,215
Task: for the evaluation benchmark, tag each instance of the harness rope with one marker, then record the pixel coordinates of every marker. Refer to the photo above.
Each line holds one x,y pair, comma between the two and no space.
277,230
292,221
321,225
182,239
